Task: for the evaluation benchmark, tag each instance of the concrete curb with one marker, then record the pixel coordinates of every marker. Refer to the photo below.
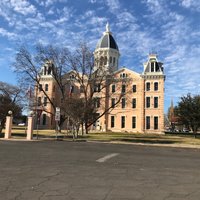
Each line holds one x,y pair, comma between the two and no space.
190,146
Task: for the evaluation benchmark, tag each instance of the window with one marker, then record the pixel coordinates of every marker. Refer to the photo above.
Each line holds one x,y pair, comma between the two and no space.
45,101
122,121
39,101
97,88
71,90
156,86
113,88
97,102
113,102
40,87
155,102
110,59
81,89
114,60
123,75
152,67
134,103
44,119
46,87
155,123
112,120
101,61
147,122
123,88
134,88
105,60
147,102
134,122
157,67
123,102
148,87
72,77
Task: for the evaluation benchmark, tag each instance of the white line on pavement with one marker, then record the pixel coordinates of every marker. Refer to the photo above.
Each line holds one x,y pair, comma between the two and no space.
105,158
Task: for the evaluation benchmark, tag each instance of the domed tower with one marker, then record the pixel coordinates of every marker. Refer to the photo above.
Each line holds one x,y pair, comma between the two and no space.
106,53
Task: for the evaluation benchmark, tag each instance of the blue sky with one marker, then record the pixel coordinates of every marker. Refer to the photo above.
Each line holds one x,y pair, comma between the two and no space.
171,28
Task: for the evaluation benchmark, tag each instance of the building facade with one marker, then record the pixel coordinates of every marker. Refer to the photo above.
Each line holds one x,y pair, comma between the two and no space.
141,107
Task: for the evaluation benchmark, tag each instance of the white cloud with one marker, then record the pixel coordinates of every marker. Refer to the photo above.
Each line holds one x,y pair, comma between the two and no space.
23,7
191,4
113,5
9,35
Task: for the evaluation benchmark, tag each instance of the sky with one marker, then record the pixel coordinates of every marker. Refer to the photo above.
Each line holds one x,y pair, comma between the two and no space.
169,28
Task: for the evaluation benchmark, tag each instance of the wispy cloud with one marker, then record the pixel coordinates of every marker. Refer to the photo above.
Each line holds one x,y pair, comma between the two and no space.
9,35
191,4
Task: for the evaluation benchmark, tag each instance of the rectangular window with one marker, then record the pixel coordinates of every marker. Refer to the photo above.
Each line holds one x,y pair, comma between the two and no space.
97,102
122,121
147,122
113,88
134,88
148,87
147,102
134,103
39,101
44,119
110,59
81,89
155,102
71,90
123,102
123,88
133,122
152,67
155,123
45,101
113,102
156,86
112,120
46,87
114,60
157,67
40,87
97,88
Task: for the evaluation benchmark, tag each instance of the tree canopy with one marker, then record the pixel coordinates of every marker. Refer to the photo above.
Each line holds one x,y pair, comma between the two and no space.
188,111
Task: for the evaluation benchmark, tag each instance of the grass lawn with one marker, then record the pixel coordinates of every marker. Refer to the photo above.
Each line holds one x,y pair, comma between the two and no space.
188,139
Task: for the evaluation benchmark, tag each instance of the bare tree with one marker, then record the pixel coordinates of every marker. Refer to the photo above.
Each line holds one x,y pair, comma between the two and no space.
85,80
10,99
28,68
93,82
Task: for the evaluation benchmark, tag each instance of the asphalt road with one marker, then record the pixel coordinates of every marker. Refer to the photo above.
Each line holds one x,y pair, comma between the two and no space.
60,170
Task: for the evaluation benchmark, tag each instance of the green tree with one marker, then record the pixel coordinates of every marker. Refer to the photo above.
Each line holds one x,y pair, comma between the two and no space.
188,111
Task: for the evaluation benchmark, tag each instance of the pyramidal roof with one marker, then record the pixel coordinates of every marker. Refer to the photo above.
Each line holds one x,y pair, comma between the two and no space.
107,40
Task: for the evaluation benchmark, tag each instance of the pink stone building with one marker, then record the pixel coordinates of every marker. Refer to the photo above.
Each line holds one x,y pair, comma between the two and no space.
141,109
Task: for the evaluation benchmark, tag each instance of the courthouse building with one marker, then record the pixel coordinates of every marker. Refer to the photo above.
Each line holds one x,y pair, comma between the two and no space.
141,108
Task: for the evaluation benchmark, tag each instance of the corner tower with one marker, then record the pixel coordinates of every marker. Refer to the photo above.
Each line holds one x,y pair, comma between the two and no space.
153,79
106,53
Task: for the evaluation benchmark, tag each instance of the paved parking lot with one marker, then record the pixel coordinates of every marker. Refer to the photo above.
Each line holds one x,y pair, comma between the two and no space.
60,170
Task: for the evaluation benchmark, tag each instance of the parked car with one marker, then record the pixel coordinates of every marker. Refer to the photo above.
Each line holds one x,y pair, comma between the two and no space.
21,124
186,130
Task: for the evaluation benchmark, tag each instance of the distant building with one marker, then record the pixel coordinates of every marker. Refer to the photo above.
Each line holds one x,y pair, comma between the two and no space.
140,110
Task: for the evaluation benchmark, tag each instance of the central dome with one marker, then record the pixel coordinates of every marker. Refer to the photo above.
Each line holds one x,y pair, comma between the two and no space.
107,40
